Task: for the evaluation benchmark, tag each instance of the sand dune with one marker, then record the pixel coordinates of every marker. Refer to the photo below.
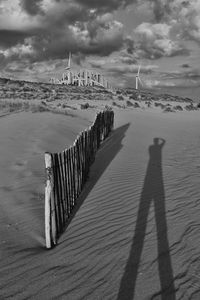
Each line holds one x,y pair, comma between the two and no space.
135,234
24,139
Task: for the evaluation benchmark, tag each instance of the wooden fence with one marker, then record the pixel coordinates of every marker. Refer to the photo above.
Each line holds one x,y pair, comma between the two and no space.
67,172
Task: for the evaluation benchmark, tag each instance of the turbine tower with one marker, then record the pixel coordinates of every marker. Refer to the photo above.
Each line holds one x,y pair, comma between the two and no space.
69,62
137,79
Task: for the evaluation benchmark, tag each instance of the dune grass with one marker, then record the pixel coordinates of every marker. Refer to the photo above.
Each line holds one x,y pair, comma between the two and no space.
14,106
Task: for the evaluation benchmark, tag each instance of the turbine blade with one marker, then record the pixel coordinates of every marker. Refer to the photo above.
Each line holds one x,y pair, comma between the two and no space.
140,81
69,61
138,73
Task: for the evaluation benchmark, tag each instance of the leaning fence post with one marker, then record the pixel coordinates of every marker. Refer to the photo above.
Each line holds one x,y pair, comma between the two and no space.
50,227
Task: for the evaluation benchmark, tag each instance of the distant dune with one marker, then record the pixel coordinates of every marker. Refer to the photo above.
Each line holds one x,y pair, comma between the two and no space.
23,95
135,234
192,92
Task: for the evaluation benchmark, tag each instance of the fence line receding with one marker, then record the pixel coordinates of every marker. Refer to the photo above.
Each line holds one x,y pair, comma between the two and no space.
67,172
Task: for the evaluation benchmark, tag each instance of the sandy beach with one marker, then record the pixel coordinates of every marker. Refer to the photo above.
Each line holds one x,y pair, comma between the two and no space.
91,210
135,234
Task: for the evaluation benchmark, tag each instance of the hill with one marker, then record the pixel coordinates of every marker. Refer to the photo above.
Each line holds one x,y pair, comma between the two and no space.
19,95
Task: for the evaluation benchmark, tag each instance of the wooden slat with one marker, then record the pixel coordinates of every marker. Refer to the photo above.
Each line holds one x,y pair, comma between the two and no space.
89,147
58,196
60,202
85,154
82,159
77,168
62,175
74,174
66,183
69,180
55,195
53,208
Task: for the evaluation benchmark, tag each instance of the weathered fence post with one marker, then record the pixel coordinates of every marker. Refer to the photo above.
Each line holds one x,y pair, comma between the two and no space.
50,222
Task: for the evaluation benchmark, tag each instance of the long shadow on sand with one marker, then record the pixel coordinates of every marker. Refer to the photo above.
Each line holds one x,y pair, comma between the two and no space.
153,191
107,152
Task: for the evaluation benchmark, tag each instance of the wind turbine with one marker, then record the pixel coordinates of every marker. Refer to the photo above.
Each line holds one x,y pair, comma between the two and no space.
137,78
66,74
69,62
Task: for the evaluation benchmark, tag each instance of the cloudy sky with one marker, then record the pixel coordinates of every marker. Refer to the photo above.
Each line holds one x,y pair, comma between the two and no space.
111,36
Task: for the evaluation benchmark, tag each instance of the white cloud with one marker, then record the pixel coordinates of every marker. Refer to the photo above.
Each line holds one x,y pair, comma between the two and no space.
56,27
125,69
12,17
182,16
154,41
18,50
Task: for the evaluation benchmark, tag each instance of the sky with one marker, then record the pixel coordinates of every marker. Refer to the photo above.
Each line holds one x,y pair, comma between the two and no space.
112,37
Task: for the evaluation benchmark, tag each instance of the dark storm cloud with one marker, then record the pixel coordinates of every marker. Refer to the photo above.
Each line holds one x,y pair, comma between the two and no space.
2,58
185,66
161,9
164,9
131,69
156,53
129,45
56,27
79,39
105,5
97,64
193,74
32,7
126,58
9,38
182,15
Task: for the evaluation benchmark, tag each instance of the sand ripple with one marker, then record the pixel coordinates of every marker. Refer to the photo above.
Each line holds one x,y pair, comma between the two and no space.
136,232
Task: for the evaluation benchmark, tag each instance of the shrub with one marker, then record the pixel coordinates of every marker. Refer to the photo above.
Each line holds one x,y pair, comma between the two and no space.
157,104
118,92
136,105
107,107
115,104
120,97
168,109
190,107
129,103
178,107
85,106
38,108
148,103
133,97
